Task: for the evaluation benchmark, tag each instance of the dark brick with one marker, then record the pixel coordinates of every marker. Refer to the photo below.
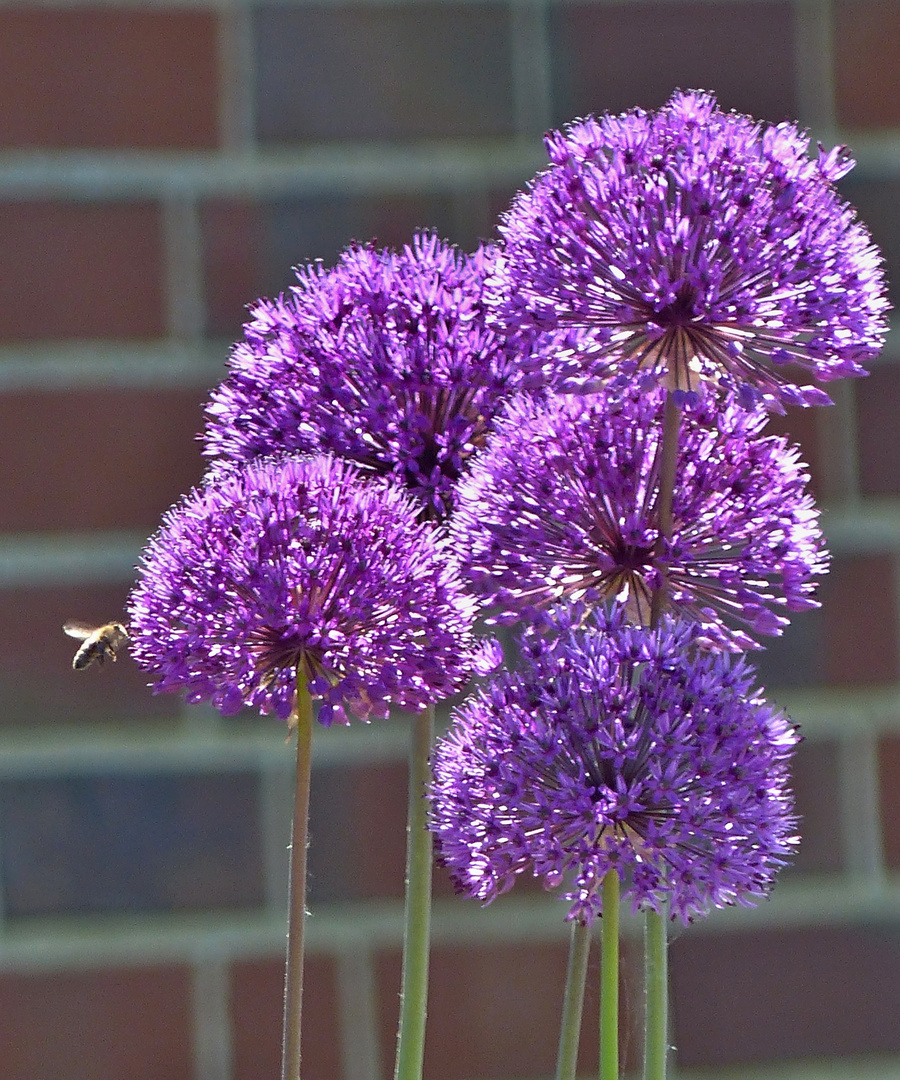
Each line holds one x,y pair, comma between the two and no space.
860,621
130,843
765,996
889,788
816,784
80,270
391,72
877,409
615,56
97,1025
796,658
301,230
97,459
801,427
105,78
37,683
867,77
876,201
257,998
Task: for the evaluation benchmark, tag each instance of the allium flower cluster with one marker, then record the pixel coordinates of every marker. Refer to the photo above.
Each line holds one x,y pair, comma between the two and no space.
694,247
564,502
385,360
300,562
615,747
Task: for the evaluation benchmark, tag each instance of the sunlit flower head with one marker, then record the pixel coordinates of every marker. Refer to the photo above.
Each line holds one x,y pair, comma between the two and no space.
695,247
301,563
565,502
615,747
385,360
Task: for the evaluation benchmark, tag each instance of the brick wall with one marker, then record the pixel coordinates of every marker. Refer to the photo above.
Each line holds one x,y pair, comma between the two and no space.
160,166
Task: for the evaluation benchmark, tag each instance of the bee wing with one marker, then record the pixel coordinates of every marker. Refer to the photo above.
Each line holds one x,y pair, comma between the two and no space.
79,630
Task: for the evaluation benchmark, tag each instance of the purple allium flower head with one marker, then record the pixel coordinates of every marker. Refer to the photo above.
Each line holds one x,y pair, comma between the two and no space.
385,359
616,747
301,561
696,247
563,503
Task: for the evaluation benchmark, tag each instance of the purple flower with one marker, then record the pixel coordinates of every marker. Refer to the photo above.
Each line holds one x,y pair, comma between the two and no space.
385,359
615,747
693,247
301,562
563,503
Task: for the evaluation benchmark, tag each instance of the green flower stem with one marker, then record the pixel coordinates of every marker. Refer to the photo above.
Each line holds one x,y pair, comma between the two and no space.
293,977
573,1001
609,979
417,928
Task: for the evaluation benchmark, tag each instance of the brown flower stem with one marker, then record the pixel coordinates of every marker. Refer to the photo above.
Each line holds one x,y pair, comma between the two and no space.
668,467
293,976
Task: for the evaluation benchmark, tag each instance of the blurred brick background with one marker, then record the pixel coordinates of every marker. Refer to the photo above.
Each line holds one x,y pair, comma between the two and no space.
162,165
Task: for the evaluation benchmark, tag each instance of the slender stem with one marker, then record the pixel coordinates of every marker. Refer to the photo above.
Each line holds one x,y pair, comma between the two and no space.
655,955
668,468
573,1001
657,990
609,979
293,976
417,928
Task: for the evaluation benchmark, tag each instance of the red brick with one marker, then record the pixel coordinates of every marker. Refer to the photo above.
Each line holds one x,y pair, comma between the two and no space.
379,834
97,1025
860,620
816,786
867,77
494,1010
889,788
104,78
80,270
37,683
764,996
96,459
232,243
878,406
257,999
615,56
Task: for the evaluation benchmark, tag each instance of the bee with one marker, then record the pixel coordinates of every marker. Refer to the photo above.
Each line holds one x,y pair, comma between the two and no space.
98,643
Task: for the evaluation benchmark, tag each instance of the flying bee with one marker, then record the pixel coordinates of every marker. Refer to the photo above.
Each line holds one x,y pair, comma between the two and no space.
98,643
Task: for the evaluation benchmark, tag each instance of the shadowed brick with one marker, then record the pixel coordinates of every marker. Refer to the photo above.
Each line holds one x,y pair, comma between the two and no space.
889,788
104,78
130,843
876,202
613,57
391,72
877,409
764,996
97,1025
257,998
80,270
97,459
815,781
867,77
